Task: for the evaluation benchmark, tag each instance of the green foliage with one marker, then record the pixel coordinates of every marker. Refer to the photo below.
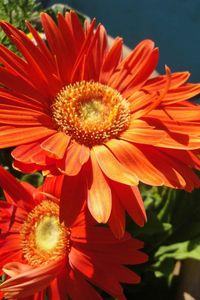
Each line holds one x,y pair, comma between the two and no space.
16,12
172,233
35,179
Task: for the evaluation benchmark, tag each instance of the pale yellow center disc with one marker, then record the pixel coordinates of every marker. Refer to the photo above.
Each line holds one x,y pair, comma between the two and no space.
47,233
43,237
90,112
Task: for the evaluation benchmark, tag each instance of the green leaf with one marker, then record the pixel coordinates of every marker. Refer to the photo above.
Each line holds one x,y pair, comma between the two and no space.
35,179
179,251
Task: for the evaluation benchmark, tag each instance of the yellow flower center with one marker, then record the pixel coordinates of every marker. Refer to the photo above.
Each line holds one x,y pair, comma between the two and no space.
43,238
91,112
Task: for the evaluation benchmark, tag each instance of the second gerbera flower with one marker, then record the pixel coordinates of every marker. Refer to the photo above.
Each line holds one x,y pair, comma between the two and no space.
39,254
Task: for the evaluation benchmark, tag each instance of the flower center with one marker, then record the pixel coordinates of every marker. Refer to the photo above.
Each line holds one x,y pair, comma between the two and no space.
91,112
43,238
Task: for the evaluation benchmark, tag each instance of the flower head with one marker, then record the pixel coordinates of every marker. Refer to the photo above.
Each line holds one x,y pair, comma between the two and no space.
74,106
39,253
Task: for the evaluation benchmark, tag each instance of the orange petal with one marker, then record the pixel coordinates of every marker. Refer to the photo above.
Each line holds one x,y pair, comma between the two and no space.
39,51
73,22
43,48
157,83
137,79
132,64
111,167
174,173
139,135
185,92
30,153
56,145
95,54
75,76
99,194
178,113
188,158
11,136
19,100
179,90
134,159
37,73
16,115
76,156
155,98
111,60
131,200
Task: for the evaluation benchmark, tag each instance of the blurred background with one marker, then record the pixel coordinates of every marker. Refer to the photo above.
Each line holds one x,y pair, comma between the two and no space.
173,25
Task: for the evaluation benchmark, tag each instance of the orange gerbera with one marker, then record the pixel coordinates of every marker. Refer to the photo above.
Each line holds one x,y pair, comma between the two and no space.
76,107
38,252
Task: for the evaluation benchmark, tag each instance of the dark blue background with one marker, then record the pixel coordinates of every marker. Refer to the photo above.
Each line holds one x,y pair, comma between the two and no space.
173,24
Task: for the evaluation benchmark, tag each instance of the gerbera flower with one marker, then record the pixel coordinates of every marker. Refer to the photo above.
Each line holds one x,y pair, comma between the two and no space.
76,107
38,253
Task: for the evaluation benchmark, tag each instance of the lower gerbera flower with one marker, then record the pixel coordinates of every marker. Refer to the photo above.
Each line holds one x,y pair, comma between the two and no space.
39,254
73,105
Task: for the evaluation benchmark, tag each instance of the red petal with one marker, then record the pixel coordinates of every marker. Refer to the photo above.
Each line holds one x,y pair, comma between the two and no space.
95,272
117,217
53,185
73,196
27,280
14,189
26,168
6,211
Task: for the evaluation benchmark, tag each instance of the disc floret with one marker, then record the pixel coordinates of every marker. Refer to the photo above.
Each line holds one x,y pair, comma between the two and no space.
90,112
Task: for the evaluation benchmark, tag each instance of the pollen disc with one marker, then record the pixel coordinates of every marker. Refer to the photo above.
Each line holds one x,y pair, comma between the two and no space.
43,237
90,112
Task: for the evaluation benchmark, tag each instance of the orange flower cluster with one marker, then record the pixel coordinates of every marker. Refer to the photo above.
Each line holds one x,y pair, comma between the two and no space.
96,126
